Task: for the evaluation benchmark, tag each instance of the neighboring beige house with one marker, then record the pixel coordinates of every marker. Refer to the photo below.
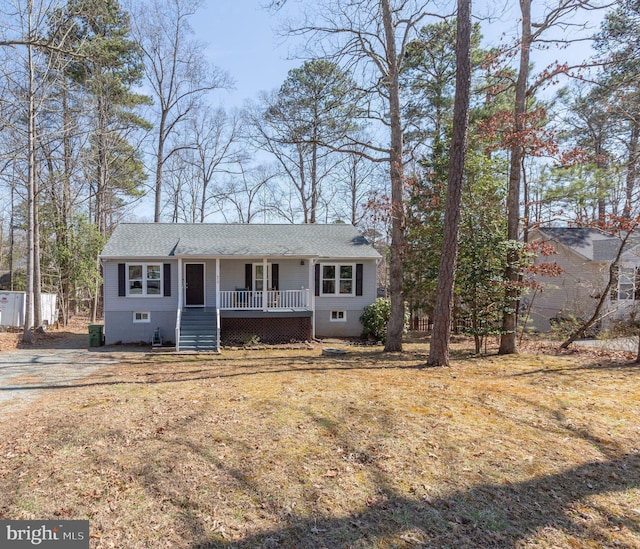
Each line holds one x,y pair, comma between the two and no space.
584,254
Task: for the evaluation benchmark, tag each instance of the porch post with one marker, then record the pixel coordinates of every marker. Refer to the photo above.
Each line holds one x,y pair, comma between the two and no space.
217,282
264,284
218,326
180,283
312,296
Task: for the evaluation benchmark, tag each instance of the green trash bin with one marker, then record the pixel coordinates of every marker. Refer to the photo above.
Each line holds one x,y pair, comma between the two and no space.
96,338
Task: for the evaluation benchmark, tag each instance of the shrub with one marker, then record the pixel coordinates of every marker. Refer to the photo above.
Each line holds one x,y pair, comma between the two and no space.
375,318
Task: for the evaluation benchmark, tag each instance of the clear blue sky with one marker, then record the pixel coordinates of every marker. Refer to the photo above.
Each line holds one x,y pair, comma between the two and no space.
242,40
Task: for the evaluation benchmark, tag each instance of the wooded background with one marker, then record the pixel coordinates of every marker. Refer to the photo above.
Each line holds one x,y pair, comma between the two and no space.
103,105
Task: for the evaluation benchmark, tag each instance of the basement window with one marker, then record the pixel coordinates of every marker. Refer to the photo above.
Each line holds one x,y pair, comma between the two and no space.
338,316
141,317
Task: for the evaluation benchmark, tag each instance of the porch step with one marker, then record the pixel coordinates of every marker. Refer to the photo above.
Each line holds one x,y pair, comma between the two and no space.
198,330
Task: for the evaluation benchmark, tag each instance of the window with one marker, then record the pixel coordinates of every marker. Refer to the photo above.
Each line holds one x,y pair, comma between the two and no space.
338,316
258,269
626,283
337,279
139,318
144,279
626,277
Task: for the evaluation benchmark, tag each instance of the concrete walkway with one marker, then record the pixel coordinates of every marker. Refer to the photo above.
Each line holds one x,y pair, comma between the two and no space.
25,373
627,344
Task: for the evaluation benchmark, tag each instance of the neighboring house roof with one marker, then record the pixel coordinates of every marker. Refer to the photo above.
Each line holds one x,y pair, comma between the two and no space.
592,244
338,241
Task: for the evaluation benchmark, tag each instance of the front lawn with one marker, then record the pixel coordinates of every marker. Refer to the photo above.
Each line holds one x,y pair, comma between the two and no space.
288,448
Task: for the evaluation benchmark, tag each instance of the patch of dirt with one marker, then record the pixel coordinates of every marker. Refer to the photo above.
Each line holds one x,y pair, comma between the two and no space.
9,340
71,336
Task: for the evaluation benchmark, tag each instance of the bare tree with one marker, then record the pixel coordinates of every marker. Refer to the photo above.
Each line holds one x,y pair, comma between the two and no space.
370,36
244,195
313,108
357,178
558,15
215,134
439,349
177,72
32,21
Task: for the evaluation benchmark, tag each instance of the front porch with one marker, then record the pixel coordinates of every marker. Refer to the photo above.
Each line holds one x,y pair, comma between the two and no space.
233,301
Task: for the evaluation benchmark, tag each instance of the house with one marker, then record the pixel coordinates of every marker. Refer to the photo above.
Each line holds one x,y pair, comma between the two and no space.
585,255
202,284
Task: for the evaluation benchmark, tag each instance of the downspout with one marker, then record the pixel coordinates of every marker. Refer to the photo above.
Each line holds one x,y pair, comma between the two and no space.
180,298
312,296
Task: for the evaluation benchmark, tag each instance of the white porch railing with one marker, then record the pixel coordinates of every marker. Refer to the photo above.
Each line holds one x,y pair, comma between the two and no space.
259,300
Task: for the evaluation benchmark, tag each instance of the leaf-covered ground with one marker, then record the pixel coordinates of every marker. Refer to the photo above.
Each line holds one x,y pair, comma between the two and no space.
287,448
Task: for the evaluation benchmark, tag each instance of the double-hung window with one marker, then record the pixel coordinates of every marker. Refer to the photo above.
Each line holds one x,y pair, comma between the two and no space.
144,279
338,279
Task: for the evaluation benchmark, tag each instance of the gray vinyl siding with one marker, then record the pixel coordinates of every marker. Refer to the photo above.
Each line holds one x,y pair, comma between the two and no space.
231,274
292,275
353,305
118,311
115,303
120,328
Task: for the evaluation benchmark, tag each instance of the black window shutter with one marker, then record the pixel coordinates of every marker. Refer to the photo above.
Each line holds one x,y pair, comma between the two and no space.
359,273
317,278
248,276
636,294
275,276
122,280
167,279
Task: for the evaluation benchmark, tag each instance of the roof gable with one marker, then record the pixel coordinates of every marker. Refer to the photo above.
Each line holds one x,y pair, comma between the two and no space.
132,240
589,243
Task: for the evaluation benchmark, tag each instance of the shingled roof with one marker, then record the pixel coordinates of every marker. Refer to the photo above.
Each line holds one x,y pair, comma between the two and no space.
590,243
158,240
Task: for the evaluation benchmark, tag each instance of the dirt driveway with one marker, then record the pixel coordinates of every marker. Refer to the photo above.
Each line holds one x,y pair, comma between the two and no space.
53,364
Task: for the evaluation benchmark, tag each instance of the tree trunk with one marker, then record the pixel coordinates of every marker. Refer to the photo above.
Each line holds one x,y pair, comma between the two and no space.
37,274
27,335
12,239
601,164
314,180
354,193
64,218
632,167
395,327
512,271
439,349
159,166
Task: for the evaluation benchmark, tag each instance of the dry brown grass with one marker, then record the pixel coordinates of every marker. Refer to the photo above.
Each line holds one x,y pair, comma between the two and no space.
286,448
